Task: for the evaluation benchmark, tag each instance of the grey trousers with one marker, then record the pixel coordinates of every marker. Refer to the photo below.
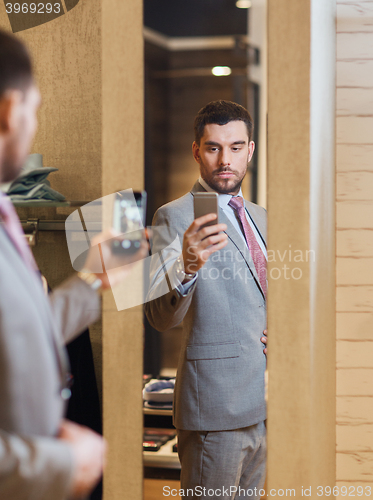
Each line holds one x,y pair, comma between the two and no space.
226,465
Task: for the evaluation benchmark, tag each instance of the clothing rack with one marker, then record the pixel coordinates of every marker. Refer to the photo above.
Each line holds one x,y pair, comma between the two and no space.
32,226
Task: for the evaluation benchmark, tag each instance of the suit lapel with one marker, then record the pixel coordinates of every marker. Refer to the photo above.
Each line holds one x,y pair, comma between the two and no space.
197,188
258,221
237,240
32,284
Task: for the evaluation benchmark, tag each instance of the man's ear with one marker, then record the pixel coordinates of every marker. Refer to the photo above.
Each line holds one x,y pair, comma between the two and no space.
195,148
251,151
9,110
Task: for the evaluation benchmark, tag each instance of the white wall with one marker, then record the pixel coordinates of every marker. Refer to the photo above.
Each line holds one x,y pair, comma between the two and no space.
354,240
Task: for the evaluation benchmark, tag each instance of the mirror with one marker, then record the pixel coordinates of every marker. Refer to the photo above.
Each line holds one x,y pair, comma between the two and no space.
195,52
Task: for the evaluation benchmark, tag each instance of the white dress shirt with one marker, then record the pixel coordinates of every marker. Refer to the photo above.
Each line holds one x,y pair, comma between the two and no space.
223,200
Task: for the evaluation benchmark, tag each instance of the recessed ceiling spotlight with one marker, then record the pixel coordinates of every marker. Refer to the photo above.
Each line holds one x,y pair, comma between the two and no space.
244,4
221,71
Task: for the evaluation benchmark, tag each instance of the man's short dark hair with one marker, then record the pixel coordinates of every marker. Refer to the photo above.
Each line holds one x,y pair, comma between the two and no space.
15,64
221,113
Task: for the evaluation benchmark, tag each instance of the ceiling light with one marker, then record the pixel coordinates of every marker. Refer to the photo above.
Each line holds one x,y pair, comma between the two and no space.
244,4
221,70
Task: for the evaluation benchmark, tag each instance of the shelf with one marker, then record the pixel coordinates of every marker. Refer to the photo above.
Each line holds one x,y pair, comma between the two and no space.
163,458
59,225
48,204
157,411
35,224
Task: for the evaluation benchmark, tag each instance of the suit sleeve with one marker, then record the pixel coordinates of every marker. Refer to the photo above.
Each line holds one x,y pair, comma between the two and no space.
75,306
34,468
165,306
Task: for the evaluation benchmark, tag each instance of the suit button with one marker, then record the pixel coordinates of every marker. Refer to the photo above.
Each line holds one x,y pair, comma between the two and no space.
173,300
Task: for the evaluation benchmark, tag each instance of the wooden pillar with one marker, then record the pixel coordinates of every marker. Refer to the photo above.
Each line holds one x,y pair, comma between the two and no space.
89,67
122,168
301,199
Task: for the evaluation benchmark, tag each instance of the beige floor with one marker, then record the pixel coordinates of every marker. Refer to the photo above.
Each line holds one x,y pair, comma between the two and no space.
153,488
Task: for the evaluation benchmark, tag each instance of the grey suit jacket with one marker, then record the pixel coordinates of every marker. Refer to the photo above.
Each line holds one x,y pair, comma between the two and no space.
220,376
33,328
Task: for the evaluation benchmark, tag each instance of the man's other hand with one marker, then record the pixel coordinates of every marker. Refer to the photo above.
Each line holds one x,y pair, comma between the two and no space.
89,454
199,244
264,340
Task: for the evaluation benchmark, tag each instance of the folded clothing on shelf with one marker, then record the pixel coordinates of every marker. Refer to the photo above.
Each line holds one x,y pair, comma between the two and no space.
32,183
158,392
155,438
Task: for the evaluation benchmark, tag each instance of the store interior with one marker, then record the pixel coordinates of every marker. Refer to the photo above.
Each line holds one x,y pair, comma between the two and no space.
98,136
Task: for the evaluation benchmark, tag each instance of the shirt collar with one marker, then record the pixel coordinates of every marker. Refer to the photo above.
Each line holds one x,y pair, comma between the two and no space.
223,199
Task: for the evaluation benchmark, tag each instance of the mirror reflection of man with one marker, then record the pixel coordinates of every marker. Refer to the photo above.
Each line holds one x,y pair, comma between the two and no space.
220,295
42,456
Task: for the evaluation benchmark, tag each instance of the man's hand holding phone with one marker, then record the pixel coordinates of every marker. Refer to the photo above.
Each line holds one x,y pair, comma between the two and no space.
119,248
201,242
101,256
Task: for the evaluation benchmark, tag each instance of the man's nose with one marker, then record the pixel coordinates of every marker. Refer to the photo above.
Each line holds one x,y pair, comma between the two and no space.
225,157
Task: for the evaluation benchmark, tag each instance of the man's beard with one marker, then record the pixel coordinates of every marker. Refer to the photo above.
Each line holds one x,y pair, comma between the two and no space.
223,186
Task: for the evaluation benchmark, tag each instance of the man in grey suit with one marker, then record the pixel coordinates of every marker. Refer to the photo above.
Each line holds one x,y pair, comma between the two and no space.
42,456
217,287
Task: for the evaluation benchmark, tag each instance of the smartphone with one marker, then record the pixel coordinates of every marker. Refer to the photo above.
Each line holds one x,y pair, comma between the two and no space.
206,203
129,220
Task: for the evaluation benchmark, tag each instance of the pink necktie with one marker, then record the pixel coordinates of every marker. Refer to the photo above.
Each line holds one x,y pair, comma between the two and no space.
9,220
257,255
